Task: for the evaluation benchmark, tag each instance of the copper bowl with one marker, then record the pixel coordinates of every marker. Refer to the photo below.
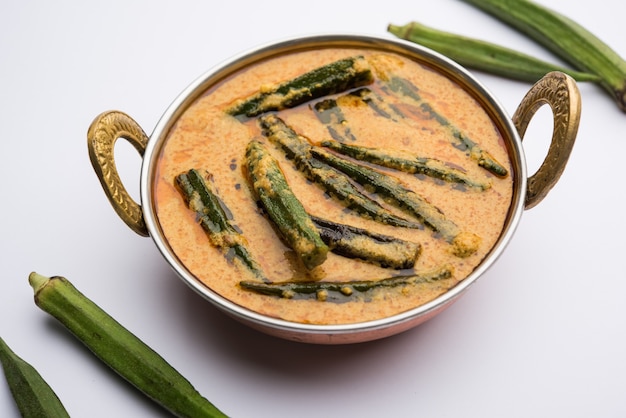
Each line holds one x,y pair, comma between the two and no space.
555,89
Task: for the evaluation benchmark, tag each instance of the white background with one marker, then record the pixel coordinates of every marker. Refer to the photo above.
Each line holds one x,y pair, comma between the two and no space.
542,333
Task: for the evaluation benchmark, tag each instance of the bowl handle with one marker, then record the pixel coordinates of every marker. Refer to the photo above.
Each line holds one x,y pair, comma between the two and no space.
101,137
561,93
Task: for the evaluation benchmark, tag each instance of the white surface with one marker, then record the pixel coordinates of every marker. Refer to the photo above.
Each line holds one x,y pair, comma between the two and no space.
543,333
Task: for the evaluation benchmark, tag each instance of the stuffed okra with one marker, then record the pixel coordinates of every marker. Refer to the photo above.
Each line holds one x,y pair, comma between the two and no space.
329,79
202,198
407,163
464,243
298,149
343,291
283,207
353,242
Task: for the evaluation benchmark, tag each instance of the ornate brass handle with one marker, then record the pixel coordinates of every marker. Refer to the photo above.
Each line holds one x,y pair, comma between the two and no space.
561,93
104,131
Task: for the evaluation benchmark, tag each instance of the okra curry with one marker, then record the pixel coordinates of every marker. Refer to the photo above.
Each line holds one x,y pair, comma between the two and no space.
333,186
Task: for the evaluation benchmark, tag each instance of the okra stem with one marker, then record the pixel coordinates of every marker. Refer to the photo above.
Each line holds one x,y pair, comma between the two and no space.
202,198
464,243
482,55
328,79
32,394
405,162
565,38
298,149
353,242
337,291
120,349
462,141
283,207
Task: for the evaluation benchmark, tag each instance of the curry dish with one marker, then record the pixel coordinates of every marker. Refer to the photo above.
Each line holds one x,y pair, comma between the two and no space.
349,199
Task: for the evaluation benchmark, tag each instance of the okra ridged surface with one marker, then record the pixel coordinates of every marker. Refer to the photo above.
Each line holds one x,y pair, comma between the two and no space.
564,37
119,348
484,56
32,394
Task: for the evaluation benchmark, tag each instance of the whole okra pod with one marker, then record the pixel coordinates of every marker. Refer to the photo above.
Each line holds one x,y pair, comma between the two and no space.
565,38
120,349
482,55
32,394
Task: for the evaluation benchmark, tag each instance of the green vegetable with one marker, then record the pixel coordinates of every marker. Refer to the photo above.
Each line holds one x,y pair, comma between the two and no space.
202,198
283,207
329,79
33,396
482,55
406,89
390,187
405,162
119,348
342,291
353,242
565,38
298,149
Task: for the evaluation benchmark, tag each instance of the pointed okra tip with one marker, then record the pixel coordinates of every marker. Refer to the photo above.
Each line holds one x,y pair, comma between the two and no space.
5,353
37,281
3,345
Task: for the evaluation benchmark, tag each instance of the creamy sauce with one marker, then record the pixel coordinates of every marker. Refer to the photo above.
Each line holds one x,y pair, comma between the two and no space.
206,138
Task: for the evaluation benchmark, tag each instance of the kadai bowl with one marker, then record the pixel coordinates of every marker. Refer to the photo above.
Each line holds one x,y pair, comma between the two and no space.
338,188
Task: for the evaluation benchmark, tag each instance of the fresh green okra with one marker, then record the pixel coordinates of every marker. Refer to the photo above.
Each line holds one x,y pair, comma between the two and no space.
565,38
120,349
32,394
482,55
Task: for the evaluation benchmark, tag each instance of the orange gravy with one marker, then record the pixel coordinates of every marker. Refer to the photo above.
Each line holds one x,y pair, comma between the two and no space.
206,138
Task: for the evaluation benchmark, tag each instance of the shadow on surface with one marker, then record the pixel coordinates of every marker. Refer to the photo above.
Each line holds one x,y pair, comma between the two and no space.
242,344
